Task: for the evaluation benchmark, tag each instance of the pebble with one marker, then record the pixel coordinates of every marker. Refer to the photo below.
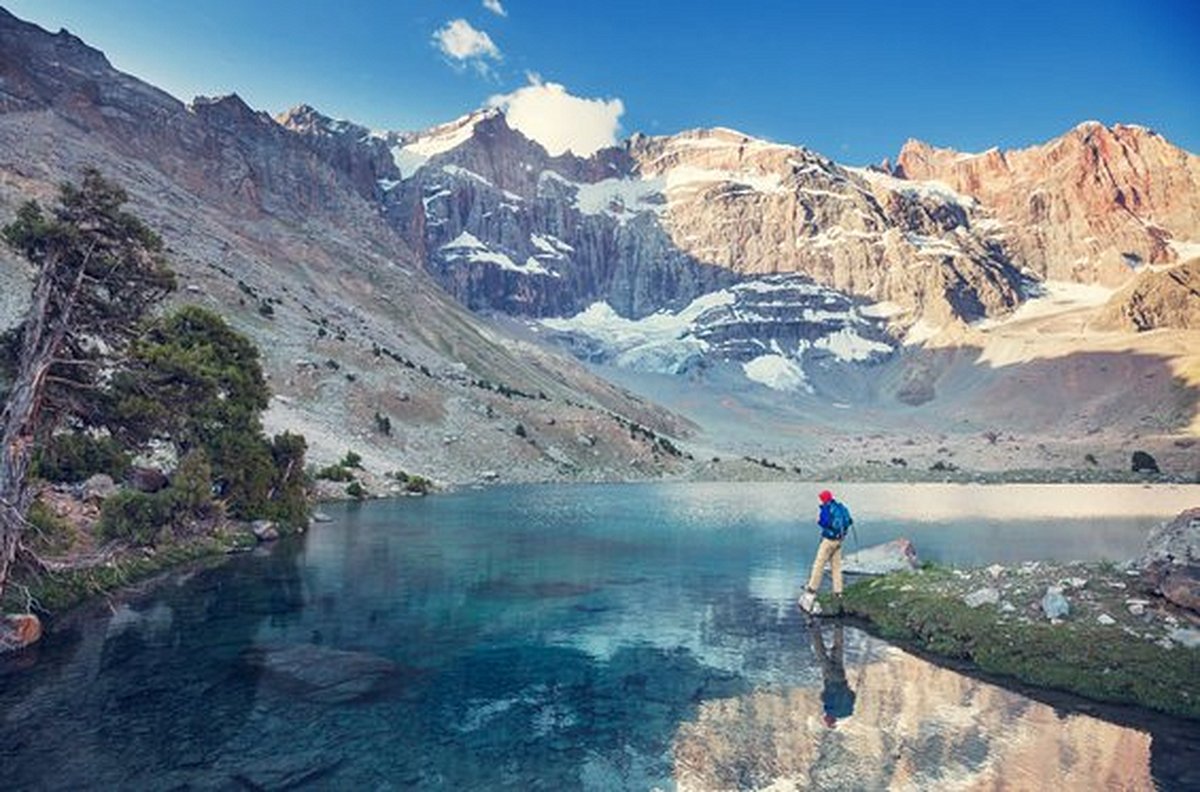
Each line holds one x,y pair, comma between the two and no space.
995,570
1104,618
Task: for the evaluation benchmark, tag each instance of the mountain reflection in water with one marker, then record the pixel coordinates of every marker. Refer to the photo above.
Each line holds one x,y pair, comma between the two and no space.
914,726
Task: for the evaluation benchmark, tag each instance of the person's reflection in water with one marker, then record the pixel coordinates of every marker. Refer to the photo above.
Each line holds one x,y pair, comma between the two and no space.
837,698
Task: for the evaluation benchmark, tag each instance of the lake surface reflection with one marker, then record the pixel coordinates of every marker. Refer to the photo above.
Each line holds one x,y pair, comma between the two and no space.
599,637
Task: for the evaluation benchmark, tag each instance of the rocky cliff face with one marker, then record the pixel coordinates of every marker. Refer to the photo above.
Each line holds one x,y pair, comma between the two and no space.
1090,206
1160,299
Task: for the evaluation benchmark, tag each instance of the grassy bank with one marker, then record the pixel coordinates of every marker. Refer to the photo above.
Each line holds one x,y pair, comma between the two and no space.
1110,647
53,593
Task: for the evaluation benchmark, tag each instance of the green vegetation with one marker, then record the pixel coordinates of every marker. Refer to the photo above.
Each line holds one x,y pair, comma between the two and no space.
98,381
334,473
76,456
356,490
1097,661
418,485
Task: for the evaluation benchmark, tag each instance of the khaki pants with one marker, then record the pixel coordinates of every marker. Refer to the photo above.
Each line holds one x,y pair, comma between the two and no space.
830,551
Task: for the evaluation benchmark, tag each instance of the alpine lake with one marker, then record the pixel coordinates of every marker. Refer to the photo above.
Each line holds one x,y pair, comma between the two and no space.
598,637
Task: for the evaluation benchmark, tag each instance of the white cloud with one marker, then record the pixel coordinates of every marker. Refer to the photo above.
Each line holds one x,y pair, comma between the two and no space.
495,7
462,43
545,112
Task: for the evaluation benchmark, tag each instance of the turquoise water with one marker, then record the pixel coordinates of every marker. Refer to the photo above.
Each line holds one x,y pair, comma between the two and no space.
571,637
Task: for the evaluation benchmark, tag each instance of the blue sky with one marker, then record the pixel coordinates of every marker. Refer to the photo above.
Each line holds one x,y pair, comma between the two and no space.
852,80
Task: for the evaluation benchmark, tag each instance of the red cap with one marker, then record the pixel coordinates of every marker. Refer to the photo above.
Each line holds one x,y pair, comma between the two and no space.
825,496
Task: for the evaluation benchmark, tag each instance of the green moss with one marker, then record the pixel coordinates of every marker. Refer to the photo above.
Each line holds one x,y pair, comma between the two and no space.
59,591
1092,660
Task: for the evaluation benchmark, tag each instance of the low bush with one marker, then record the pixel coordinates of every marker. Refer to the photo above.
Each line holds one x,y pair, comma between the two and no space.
136,517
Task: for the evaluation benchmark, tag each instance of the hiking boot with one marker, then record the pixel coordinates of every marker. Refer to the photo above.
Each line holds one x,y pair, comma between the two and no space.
839,607
809,604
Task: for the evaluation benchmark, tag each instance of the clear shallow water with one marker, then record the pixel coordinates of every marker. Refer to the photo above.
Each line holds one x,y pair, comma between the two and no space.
616,637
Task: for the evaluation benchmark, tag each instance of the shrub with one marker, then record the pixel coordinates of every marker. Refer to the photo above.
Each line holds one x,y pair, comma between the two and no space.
75,457
520,431
418,484
136,517
356,490
352,460
335,473
191,486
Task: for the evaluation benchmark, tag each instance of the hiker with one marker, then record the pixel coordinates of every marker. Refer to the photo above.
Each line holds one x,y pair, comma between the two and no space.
835,521
837,699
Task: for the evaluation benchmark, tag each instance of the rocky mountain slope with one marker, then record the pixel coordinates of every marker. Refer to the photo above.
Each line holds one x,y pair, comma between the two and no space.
1088,206
1160,298
286,240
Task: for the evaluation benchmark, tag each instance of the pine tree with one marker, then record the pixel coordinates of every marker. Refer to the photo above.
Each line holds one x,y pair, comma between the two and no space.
99,271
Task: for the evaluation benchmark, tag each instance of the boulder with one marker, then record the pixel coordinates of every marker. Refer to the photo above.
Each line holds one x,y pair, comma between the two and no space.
984,596
264,530
894,556
19,630
147,479
1142,462
1054,604
1170,566
323,675
98,488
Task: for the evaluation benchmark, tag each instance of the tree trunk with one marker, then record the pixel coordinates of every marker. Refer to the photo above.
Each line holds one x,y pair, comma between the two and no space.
42,336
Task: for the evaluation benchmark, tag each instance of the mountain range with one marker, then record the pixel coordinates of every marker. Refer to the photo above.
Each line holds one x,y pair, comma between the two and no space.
670,306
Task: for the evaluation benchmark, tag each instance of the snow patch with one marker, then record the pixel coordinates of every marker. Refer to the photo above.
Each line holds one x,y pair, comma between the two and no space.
466,246
848,345
411,156
778,373
1053,297
1185,250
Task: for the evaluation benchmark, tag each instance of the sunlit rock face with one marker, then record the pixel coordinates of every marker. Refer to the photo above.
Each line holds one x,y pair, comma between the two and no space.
1087,206
663,220
914,727
1156,299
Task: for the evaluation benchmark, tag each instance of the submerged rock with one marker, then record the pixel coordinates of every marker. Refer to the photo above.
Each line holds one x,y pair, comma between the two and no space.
323,675
894,556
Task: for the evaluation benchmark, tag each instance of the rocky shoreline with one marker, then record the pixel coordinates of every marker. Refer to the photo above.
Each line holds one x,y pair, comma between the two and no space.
1127,634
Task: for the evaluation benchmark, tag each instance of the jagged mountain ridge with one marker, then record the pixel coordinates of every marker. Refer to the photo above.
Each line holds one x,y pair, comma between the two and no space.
1090,206
661,221
289,244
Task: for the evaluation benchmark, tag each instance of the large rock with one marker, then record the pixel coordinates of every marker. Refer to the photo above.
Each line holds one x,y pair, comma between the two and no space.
18,631
323,675
98,487
264,530
1171,564
1054,604
894,556
148,479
